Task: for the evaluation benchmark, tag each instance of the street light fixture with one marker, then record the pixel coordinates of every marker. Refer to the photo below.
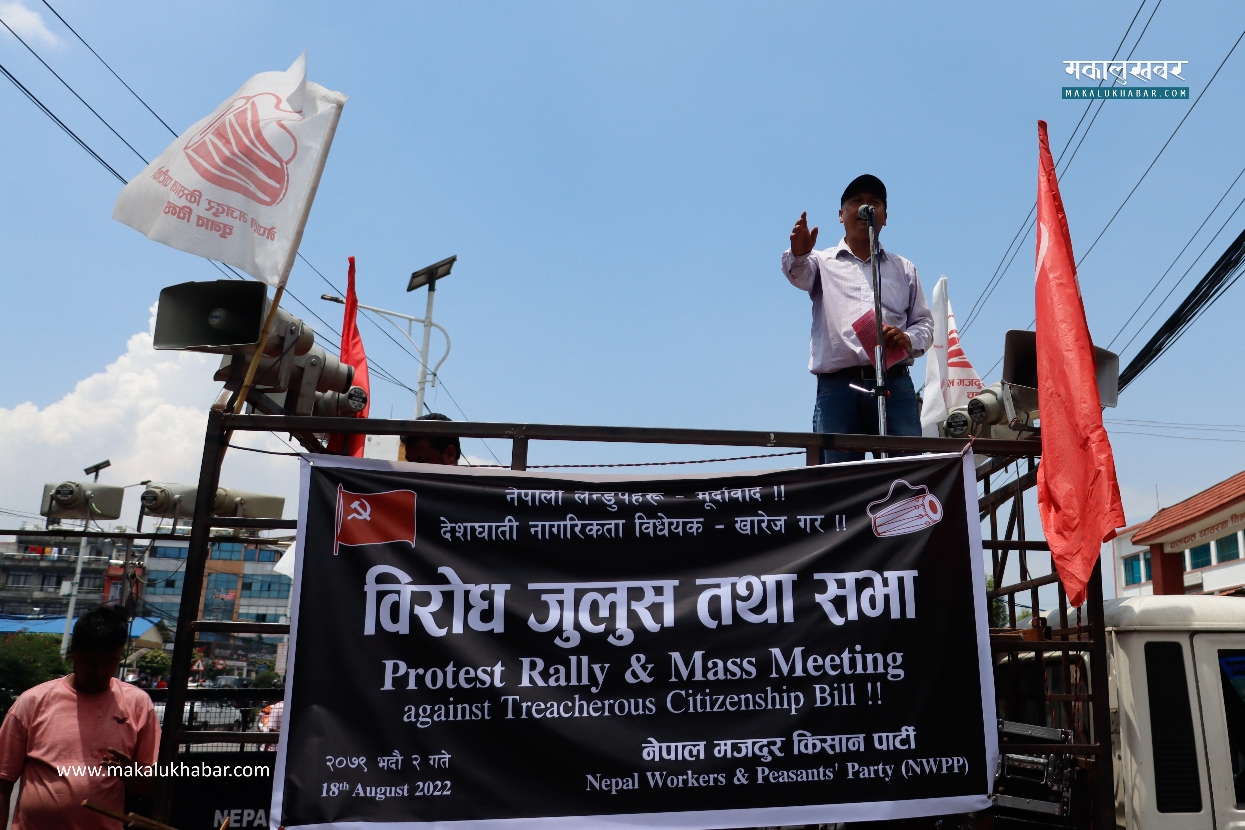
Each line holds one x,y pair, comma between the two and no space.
430,275
424,276
95,468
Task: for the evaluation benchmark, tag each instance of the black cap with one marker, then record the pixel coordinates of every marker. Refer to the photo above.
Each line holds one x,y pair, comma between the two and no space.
865,184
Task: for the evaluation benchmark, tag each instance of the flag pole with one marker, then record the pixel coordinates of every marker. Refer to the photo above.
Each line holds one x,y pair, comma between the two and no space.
289,258
259,347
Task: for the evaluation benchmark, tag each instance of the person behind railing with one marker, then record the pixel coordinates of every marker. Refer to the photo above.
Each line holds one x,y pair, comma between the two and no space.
840,282
60,736
432,449
270,721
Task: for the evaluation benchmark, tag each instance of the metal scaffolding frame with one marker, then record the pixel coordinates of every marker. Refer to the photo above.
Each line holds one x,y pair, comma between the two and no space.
1001,454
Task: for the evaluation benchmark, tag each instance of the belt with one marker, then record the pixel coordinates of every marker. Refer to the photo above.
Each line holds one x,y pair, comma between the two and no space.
865,373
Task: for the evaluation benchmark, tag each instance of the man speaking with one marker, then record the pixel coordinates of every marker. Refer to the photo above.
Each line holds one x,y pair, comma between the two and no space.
840,282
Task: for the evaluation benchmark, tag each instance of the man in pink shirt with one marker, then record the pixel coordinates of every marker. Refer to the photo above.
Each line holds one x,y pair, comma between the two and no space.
61,737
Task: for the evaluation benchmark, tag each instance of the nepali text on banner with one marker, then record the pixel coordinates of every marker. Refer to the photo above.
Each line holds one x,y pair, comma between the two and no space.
789,647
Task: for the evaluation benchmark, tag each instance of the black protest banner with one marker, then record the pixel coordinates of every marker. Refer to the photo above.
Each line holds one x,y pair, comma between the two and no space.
492,648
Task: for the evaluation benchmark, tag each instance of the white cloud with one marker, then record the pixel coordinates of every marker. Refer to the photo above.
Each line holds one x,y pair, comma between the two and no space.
147,413
27,23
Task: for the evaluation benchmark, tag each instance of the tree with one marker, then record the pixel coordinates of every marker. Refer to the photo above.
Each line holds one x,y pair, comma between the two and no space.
265,678
156,662
998,608
27,660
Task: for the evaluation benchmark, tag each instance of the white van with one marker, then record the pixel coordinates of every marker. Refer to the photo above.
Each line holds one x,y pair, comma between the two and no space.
1177,683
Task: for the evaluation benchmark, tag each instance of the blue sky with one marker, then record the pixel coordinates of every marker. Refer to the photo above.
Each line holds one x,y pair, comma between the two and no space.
618,182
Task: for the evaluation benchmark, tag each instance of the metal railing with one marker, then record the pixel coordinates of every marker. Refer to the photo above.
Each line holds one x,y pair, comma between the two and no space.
225,720
999,454
1053,658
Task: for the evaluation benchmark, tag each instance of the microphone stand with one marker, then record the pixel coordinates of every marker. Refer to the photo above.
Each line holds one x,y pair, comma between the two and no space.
879,349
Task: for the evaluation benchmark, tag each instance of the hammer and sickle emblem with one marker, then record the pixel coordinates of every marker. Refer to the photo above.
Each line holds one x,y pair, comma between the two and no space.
362,509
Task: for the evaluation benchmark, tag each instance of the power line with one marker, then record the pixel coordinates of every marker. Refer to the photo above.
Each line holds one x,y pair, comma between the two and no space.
1179,437
218,266
1196,312
1171,291
265,452
1030,219
1103,102
1154,287
1164,147
436,376
35,100
1026,225
19,514
381,372
109,68
1222,276
1175,423
367,315
1180,281
1132,422
72,90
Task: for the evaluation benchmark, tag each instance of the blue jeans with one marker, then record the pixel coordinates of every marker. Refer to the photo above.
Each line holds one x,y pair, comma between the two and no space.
845,410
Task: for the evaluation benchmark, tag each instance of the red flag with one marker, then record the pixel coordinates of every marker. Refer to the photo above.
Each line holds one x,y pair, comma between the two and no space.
1078,495
352,354
374,518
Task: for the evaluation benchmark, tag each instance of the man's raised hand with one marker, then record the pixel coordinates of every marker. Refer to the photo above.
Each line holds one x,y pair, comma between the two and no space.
802,239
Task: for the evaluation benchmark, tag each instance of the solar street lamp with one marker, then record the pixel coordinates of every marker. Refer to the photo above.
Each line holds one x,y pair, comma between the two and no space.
95,468
428,276
424,276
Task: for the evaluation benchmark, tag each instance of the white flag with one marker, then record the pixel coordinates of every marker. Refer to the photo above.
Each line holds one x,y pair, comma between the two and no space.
950,380
237,186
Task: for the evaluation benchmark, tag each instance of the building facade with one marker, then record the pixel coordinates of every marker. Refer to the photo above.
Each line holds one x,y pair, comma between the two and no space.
1193,547
1132,565
238,584
37,571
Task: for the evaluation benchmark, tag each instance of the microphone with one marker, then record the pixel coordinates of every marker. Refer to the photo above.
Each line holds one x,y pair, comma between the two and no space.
866,212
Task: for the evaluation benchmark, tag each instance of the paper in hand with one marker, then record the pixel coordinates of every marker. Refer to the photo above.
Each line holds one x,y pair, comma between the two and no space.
866,329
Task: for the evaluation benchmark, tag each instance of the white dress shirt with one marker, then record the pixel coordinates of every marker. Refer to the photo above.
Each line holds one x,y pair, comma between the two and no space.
841,288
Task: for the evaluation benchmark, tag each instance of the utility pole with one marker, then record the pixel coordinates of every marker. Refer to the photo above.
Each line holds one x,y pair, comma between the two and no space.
129,597
425,276
83,545
423,351
428,276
